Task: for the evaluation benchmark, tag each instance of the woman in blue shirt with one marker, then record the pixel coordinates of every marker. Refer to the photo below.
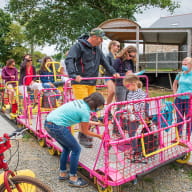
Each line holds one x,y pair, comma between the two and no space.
57,123
47,81
183,84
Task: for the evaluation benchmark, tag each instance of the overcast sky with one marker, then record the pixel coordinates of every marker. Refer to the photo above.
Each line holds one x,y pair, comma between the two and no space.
152,14
144,20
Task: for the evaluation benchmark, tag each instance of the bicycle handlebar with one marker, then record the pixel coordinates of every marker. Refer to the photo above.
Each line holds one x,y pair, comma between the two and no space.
5,140
17,132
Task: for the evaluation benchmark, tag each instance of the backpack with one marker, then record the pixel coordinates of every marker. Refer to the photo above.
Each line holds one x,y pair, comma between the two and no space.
49,100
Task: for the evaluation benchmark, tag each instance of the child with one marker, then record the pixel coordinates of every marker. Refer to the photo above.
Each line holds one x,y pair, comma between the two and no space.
134,85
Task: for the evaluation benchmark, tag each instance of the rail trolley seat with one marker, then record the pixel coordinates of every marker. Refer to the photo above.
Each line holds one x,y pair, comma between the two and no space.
6,105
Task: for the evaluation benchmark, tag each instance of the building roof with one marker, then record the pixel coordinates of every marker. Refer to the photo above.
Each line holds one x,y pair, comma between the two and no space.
121,29
176,21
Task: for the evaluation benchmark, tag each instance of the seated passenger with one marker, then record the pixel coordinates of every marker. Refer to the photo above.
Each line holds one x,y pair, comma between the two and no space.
63,70
47,81
10,73
28,69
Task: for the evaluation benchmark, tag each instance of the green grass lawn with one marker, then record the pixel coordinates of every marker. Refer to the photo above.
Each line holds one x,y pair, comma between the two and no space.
162,69
159,92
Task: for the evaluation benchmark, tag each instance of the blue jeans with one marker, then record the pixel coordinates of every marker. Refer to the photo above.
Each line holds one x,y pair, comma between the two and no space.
59,83
132,129
64,137
183,107
47,85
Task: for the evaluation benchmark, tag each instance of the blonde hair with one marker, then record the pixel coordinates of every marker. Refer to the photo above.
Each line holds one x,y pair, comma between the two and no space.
188,59
130,49
132,79
113,42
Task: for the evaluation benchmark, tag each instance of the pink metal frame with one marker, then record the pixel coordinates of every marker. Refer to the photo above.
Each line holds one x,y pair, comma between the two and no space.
114,165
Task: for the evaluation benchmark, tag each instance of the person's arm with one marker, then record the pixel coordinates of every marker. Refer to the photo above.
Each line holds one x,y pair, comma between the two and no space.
106,65
43,79
16,74
96,123
129,67
62,71
85,130
4,75
109,60
176,83
117,66
34,73
71,61
175,86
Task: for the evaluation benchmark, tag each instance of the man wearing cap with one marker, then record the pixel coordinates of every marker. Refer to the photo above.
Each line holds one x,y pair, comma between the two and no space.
83,61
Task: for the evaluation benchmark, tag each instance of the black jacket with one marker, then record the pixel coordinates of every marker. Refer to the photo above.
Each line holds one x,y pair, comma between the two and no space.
84,60
122,67
110,58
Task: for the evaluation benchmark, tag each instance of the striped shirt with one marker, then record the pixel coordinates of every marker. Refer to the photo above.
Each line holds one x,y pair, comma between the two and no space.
138,106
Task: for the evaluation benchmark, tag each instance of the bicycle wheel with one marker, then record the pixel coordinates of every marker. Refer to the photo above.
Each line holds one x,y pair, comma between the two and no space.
26,184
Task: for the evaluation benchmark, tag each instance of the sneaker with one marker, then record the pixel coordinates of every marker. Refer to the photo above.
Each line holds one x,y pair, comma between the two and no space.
63,178
85,140
79,183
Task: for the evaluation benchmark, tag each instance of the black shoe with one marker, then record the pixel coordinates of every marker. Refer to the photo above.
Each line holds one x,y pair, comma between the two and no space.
85,140
79,183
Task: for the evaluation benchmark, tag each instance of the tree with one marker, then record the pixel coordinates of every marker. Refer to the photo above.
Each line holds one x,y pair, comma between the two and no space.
60,22
5,21
16,40
12,39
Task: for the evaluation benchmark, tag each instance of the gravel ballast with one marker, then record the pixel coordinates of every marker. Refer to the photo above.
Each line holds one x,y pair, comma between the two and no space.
170,178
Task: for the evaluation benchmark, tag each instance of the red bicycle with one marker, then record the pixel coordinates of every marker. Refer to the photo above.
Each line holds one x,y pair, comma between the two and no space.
13,182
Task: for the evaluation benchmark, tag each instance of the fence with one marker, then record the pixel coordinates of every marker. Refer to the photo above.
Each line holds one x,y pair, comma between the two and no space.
162,61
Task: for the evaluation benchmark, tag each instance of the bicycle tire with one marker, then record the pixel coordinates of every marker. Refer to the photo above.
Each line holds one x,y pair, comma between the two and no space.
27,184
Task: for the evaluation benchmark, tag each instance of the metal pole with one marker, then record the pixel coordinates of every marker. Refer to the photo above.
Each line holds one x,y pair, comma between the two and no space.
156,65
137,44
189,43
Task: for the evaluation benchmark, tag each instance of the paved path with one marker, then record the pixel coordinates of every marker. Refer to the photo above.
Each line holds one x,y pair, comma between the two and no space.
5,126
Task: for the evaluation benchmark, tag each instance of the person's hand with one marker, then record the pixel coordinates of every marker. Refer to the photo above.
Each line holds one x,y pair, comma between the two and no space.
100,136
116,75
32,82
100,123
78,78
51,84
129,72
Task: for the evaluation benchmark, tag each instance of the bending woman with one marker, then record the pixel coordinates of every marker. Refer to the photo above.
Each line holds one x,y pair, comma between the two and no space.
57,124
